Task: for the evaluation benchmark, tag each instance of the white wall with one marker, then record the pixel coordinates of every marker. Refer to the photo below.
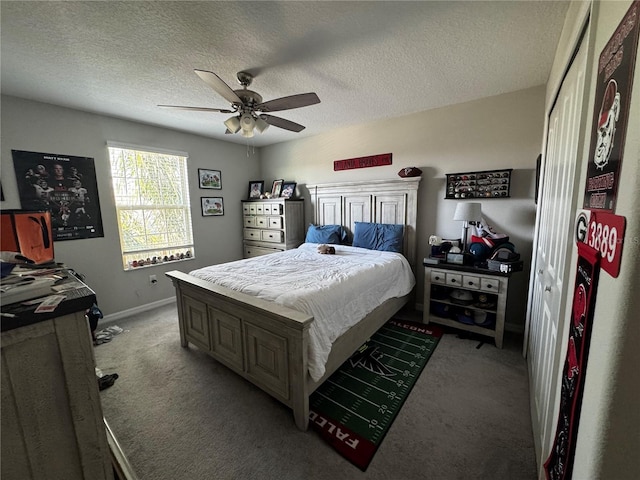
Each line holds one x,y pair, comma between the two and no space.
46,128
504,131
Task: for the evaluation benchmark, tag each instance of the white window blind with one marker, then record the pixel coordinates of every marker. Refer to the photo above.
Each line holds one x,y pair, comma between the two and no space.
151,190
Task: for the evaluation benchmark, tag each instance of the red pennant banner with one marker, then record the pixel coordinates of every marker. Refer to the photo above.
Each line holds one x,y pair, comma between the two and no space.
362,162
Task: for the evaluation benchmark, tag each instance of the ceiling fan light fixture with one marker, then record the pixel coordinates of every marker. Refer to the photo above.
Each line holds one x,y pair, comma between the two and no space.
246,106
247,122
233,124
261,125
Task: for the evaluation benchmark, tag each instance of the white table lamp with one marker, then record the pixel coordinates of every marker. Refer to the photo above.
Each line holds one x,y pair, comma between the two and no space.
467,212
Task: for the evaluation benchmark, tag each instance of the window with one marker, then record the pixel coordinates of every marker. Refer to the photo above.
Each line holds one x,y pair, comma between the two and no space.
151,191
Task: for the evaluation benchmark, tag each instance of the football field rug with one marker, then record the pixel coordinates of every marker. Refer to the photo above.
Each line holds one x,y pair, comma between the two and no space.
355,407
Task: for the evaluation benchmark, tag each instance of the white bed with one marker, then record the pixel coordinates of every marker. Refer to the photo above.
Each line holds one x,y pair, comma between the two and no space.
279,341
337,290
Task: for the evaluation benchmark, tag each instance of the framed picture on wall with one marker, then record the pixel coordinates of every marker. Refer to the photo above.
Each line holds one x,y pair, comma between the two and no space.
66,186
212,206
209,178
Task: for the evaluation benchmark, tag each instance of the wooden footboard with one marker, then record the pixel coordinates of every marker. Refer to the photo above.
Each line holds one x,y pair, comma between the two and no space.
264,342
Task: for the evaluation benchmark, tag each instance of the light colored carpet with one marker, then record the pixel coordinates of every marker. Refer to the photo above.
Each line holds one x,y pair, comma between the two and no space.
178,414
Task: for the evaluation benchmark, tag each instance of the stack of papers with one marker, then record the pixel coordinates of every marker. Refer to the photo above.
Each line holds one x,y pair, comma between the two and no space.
16,289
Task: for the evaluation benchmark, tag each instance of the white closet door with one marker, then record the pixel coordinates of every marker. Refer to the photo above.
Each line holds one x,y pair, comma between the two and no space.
556,206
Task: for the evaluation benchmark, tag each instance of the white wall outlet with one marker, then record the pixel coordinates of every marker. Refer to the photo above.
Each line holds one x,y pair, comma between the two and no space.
153,279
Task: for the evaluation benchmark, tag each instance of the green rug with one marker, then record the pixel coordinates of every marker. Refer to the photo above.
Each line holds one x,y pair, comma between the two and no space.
355,407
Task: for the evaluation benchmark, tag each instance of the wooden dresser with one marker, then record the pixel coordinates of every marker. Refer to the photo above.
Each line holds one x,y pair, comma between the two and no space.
272,225
52,423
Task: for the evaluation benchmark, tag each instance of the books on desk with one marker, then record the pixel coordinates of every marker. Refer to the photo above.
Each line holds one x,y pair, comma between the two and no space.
20,289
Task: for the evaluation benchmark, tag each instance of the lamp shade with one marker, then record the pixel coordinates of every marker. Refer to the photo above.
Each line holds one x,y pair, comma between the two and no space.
468,211
261,125
248,124
232,124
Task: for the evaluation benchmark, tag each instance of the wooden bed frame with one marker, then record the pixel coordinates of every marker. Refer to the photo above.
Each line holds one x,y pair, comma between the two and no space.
267,343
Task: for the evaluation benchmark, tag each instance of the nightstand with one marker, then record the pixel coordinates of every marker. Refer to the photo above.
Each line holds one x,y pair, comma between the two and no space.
466,298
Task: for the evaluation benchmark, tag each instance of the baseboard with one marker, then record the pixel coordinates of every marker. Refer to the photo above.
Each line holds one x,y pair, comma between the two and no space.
135,310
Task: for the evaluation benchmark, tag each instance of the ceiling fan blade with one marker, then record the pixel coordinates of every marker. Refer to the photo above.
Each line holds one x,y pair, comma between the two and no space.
219,86
199,109
282,123
287,103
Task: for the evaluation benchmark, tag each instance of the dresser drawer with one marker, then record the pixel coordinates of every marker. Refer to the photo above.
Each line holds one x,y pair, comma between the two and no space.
490,285
260,209
253,208
276,209
275,222
471,282
262,222
275,236
251,234
438,277
454,279
246,208
249,221
253,251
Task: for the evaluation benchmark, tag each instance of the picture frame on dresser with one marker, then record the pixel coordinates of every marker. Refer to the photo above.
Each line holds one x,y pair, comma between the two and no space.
212,206
288,189
276,188
209,178
256,188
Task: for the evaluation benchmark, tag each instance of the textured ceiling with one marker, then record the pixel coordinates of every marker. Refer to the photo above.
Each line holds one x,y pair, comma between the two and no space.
365,60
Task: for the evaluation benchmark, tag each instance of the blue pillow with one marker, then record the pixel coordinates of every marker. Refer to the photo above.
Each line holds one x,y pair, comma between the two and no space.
325,234
378,236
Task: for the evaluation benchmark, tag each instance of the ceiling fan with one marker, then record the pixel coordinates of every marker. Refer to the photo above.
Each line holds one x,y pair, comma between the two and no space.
248,105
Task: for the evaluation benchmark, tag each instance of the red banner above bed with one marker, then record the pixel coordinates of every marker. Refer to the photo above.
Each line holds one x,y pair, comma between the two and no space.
362,162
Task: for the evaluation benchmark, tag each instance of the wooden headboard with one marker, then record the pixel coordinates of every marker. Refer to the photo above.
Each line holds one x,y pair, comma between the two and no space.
380,201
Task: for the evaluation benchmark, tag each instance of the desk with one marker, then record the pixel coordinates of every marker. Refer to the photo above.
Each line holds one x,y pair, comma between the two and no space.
483,313
52,423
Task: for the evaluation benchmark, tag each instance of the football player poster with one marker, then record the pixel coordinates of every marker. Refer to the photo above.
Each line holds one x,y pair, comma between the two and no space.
63,185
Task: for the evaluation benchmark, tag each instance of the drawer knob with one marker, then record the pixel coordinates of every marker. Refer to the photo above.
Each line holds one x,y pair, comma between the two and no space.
547,288
453,280
470,282
489,286
437,278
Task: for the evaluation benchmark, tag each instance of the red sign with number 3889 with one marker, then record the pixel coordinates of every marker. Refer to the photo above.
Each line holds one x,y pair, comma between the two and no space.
606,234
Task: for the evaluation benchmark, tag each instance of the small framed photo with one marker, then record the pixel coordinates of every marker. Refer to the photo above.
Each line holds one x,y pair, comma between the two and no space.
288,189
276,188
209,178
256,188
212,206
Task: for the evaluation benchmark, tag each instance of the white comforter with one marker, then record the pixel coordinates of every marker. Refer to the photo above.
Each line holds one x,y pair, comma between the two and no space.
338,290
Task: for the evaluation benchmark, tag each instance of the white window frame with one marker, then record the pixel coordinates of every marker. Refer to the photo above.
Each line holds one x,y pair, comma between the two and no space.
160,246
